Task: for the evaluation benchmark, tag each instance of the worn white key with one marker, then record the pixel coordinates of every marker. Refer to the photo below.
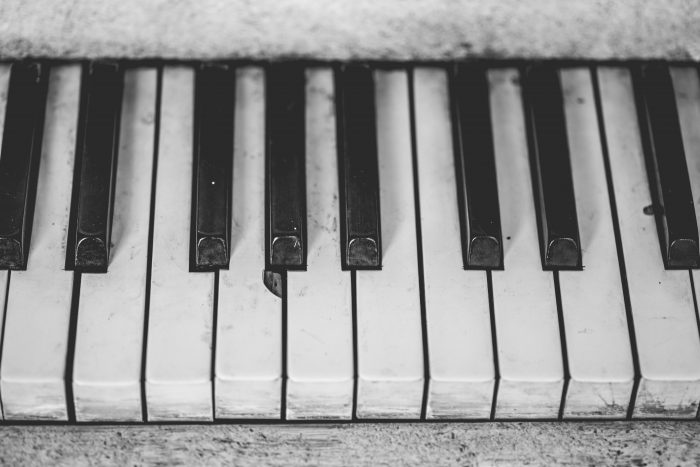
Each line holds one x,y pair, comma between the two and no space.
249,318
39,299
527,328
662,303
178,349
319,301
389,335
4,275
593,306
109,335
460,350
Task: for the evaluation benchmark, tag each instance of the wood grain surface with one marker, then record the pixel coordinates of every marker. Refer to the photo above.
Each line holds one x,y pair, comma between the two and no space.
601,443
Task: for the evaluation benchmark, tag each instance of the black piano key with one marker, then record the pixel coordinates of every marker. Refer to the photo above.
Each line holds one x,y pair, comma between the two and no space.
19,160
285,152
474,156
554,190
666,166
213,156
98,141
359,171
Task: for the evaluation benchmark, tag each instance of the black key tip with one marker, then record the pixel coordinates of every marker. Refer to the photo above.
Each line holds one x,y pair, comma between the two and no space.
683,254
211,254
485,252
363,252
563,252
273,282
11,254
287,251
91,255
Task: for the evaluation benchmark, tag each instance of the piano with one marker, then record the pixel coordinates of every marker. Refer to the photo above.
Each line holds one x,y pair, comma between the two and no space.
354,241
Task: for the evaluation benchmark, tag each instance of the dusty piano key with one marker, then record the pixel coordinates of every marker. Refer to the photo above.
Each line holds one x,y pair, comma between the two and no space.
527,330
178,371
19,160
286,201
661,300
357,148
96,159
551,169
319,300
38,308
593,308
213,152
4,275
482,241
667,170
460,351
248,371
111,309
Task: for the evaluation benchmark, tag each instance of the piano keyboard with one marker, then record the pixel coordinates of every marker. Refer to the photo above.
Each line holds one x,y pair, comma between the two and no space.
218,242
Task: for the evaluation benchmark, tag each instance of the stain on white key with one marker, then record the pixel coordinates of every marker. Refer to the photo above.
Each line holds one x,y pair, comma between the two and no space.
109,336
178,349
4,275
527,329
460,350
595,320
319,301
389,335
249,317
39,299
663,311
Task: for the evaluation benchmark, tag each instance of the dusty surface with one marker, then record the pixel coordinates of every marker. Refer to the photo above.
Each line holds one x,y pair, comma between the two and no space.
640,443
344,29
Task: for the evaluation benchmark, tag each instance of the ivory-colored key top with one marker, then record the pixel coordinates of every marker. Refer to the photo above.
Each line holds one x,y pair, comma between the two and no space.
595,320
527,329
389,334
462,373
39,300
109,337
663,311
249,317
319,301
179,340
4,275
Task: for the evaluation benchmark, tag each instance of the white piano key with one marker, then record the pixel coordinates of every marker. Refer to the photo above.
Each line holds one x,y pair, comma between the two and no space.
319,302
109,335
462,373
389,334
4,275
662,303
178,348
249,317
593,306
39,299
527,329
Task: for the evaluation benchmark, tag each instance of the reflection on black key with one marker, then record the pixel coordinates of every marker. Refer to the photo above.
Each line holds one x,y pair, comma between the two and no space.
668,173
357,149
286,146
213,155
554,190
19,160
98,139
476,171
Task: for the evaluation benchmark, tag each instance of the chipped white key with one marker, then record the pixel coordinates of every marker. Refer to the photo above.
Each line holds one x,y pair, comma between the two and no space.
109,335
39,299
4,275
389,334
319,301
527,329
460,350
249,318
668,344
178,349
593,306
